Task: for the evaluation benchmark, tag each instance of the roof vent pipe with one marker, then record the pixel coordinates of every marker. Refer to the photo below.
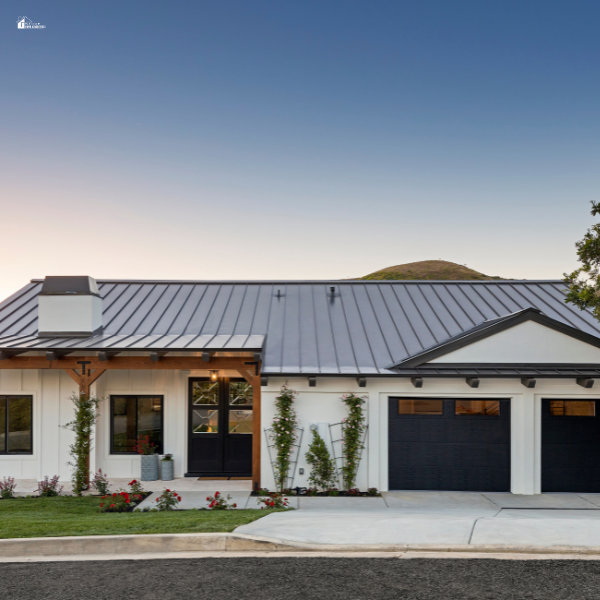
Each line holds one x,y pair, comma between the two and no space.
332,290
69,307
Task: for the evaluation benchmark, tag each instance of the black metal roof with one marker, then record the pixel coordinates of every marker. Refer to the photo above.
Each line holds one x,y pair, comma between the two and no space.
363,328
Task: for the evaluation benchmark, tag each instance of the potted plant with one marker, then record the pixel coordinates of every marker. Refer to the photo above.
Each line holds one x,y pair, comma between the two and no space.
167,467
147,451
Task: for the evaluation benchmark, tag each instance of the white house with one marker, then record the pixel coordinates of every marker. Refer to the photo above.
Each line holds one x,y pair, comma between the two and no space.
472,385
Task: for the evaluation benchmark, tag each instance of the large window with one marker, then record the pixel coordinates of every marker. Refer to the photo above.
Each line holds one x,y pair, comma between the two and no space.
133,416
15,425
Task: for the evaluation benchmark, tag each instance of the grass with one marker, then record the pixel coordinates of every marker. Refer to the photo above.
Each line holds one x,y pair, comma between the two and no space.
67,515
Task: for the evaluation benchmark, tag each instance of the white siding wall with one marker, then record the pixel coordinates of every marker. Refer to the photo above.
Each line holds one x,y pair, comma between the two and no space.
321,405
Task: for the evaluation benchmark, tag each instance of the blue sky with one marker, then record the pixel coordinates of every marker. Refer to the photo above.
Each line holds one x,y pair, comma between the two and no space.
296,139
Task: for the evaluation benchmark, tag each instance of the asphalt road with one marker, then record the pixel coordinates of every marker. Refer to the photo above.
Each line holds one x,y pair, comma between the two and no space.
302,578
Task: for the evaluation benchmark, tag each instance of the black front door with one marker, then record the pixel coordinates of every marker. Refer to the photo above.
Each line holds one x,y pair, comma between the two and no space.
220,434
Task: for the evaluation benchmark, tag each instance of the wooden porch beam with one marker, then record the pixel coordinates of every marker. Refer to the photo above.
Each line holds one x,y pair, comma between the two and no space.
256,431
125,362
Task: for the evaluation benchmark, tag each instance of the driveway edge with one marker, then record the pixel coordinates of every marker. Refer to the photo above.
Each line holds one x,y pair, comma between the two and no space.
237,542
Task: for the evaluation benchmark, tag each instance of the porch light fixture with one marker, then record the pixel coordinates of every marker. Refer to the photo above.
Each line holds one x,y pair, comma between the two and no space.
214,375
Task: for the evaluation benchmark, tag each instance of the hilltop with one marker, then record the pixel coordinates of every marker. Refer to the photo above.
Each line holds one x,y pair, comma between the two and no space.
429,269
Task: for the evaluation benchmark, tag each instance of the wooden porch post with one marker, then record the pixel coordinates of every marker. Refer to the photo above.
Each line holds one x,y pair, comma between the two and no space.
256,433
254,379
85,380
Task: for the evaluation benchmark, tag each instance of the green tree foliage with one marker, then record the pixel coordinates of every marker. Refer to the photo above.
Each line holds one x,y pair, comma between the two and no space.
584,282
86,415
323,473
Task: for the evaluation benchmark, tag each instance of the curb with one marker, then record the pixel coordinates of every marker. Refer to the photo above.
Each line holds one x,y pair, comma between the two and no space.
236,542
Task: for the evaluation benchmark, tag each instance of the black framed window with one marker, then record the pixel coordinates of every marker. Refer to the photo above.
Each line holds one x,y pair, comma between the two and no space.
134,416
16,425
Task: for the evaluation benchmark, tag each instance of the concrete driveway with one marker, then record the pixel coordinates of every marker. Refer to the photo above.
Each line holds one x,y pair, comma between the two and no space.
439,519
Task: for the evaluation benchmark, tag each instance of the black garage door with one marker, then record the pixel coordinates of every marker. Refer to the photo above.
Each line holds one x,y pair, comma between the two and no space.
570,446
450,444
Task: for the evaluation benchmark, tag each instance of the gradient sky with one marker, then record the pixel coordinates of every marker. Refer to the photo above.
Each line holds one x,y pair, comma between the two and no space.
296,139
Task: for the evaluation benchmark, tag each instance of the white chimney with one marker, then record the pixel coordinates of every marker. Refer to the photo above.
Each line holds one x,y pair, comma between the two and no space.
70,307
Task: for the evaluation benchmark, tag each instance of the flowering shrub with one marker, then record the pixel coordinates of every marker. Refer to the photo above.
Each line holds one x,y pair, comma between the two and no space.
218,502
49,487
312,491
373,492
353,492
168,500
144,445
333,492
7,488
100,483
119,502
353,428
283,431
135,487
274,501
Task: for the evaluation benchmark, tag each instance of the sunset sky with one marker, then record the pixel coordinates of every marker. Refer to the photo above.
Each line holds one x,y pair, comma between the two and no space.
296,139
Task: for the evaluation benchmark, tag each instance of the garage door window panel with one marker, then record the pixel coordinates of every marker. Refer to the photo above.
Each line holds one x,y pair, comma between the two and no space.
474,408
573,408
420,406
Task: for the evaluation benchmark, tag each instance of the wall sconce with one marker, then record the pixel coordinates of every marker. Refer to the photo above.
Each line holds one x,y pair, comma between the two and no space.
214,375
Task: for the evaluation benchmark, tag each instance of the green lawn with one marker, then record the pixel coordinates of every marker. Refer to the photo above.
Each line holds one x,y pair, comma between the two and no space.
65,515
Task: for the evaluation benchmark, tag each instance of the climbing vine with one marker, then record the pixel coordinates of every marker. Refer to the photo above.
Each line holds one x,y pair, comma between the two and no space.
283,434
323,472
353,428
86,415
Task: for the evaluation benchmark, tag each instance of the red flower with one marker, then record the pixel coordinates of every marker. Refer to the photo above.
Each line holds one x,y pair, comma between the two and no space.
157,499
126,501
235,506
112,505
101,504
114,495
168,490
207,498
178,499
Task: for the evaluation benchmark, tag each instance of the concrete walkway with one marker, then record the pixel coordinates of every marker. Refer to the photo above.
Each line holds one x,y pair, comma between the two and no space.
439,519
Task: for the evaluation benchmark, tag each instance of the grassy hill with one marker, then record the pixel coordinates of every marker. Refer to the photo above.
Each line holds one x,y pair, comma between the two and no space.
429,269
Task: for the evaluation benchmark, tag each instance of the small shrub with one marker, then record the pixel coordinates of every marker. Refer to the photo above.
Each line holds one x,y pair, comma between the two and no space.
118,502
7,488
168,500
274,501
333,492
218,502
135,487
100,483
312,491
323,473
353,492
373,492
167,458
49,487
